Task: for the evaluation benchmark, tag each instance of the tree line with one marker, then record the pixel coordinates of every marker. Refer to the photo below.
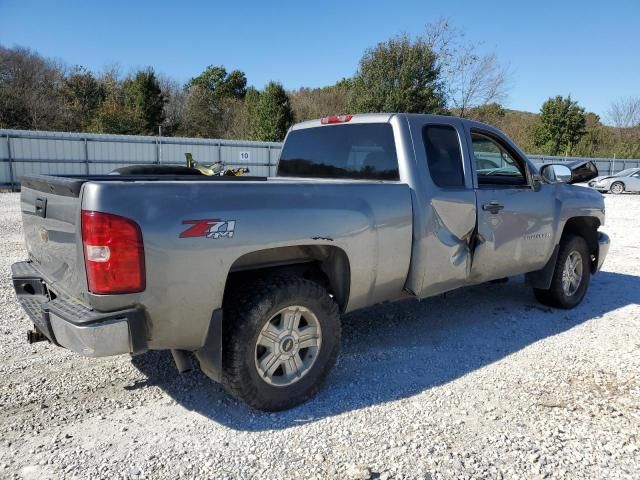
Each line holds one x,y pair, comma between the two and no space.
437,72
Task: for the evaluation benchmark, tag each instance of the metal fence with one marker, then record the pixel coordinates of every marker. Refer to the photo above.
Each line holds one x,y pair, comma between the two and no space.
25,152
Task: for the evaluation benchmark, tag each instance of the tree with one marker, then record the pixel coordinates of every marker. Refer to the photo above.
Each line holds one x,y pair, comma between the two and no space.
174,106
241,116
113,117
399,75
237,119
216,80
470,79
562,125
273,115
491,113
29,90
210,97
143,99
625,113
310,103
82,95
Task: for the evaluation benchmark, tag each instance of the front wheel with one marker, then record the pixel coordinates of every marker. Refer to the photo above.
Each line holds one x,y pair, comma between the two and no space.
571,276
282,337
617,187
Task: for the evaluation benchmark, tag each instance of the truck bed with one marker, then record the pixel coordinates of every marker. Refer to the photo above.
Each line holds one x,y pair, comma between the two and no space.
368,222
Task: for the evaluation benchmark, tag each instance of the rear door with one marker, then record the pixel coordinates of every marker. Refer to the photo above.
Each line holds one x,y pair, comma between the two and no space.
515,216
444,207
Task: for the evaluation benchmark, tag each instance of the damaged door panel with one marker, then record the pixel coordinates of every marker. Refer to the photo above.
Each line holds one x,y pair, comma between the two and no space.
452,222
445,208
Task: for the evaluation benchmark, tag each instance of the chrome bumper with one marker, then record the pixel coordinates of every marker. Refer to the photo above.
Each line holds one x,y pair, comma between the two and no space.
603,248
73,325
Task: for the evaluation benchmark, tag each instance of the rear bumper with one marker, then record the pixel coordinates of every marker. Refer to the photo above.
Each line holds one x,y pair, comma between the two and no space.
73,325
603,248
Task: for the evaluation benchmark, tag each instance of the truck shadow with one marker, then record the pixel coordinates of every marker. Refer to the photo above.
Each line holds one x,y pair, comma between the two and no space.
395,351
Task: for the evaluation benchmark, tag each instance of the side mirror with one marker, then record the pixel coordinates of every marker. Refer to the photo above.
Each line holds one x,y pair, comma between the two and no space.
556,173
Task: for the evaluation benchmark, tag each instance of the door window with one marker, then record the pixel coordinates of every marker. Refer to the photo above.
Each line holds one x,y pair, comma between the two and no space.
494,164
443,155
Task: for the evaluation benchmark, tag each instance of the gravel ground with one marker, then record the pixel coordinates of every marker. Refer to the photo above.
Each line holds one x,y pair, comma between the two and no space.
480,383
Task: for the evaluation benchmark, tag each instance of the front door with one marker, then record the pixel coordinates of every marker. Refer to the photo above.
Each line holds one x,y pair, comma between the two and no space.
515,220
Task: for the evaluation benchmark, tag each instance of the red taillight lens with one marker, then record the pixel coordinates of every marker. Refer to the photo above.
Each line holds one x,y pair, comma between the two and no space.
335,119
113,253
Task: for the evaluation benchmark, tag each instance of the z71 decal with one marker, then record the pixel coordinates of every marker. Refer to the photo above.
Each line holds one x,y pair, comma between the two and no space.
210,228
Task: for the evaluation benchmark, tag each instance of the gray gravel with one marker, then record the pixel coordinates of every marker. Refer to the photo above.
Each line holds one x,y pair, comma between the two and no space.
480,383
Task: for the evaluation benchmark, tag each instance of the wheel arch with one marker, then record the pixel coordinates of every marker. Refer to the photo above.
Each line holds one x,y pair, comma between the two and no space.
326,265
587,228
583,226
621,182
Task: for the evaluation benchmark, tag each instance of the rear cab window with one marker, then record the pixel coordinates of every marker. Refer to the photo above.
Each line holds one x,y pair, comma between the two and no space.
362,151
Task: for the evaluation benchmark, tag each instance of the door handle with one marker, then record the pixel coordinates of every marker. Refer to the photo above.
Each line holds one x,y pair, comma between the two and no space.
492,207
41,207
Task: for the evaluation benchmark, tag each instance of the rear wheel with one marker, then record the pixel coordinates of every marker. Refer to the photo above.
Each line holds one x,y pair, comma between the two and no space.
617,187
281,341
571,276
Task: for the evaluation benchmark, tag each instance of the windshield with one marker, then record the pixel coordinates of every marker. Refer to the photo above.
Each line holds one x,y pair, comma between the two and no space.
626,173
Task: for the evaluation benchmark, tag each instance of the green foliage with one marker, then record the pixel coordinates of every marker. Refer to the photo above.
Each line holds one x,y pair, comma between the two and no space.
113,117
562,125
399,75
273,114
311,103
216,81
82,95
144,100
491,113
213,98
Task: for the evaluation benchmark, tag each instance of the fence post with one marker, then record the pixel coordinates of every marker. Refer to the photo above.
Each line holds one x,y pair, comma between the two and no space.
269,160
11,175
157,152
86,156
220,152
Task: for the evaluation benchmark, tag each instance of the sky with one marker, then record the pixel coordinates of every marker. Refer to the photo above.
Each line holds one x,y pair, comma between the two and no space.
588,49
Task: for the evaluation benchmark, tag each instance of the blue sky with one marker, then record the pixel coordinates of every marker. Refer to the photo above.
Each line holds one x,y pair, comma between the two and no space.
589,49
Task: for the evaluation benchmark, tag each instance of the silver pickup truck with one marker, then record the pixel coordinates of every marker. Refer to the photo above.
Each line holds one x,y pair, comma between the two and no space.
250,275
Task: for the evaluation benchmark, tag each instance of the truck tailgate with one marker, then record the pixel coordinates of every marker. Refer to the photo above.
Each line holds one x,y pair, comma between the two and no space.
50,215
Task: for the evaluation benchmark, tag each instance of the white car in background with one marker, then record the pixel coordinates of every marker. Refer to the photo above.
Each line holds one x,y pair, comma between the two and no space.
625,181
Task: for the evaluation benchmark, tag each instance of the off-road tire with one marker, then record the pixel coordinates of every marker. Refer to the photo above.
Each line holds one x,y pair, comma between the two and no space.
246,312
555,296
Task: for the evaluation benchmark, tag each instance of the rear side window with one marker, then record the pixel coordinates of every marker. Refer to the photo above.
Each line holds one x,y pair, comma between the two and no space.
443,155
359,151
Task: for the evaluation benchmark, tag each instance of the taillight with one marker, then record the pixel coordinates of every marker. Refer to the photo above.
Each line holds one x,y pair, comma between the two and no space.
113,253
335,119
